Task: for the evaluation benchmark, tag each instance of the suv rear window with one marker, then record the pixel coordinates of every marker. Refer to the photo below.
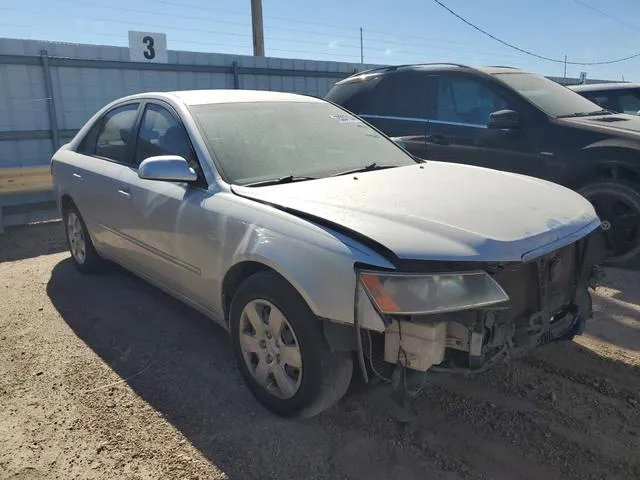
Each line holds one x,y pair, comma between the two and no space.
355,95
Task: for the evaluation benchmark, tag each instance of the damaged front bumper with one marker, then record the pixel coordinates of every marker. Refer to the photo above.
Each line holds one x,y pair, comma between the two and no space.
549,302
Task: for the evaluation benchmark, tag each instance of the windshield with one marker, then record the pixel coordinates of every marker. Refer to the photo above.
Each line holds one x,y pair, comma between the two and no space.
549,96
254,142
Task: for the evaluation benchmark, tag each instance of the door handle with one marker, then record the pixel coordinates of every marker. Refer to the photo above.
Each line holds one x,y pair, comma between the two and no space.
124,191
437,139
77,175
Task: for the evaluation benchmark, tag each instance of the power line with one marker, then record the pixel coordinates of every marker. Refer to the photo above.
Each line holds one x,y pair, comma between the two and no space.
528,52
605,14
406,48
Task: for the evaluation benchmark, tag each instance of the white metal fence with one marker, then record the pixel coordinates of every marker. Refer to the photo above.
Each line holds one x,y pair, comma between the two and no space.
48,90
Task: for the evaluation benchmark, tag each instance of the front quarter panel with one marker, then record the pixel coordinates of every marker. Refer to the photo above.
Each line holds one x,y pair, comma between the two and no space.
317,261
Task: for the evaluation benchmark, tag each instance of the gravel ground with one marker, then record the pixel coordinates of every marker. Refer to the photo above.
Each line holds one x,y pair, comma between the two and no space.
106,377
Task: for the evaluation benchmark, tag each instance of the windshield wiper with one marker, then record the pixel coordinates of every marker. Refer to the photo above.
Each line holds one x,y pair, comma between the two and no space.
278,181
366,168
589,114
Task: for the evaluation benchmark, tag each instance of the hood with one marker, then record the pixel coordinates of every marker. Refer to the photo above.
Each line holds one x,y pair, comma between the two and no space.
442,211
619,124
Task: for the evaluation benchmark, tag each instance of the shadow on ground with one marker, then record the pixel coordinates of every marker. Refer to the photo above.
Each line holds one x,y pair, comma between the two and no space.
555,415
28,241
617,310
615,323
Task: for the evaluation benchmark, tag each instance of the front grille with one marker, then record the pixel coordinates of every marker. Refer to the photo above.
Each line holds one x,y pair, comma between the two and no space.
545,338
561,270
522,283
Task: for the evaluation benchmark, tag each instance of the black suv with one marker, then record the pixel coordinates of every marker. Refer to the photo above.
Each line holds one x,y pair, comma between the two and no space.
507,119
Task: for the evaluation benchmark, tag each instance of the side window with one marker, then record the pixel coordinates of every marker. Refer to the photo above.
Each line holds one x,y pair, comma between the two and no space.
599,100
88,143
161,133
465,100
610,102
400,95
114,132
630,103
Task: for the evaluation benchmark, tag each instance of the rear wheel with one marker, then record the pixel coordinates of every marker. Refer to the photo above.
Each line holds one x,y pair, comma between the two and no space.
617,203
281,351
81,247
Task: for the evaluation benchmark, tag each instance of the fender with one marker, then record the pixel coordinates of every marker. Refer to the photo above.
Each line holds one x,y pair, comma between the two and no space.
616,158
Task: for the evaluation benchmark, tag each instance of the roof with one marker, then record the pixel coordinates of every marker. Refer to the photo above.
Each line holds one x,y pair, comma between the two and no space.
204,97
493,70
427,67
591,87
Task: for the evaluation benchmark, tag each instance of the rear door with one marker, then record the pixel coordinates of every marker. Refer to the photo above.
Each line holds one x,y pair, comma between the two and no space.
396,106
94,175
458,126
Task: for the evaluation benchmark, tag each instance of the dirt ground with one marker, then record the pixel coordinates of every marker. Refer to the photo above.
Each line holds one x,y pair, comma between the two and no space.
105,377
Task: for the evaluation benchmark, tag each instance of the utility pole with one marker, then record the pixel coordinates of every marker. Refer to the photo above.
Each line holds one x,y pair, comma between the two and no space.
565,70
258,33
361,47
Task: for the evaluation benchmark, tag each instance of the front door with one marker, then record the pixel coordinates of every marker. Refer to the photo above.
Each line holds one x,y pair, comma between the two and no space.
165,216
461,106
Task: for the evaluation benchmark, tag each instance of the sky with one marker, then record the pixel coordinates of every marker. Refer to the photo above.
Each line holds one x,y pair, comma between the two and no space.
394,32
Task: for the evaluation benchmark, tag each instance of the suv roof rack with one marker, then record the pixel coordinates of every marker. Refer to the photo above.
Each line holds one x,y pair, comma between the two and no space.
502,66
393,68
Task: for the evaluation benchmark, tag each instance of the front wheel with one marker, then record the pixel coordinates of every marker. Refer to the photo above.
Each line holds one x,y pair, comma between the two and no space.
617,203
280,349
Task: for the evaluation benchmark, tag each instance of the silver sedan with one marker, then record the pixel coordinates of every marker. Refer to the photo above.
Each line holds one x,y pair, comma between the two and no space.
319,243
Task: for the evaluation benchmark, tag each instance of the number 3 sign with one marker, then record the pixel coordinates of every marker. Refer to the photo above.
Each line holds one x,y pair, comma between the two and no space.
147,47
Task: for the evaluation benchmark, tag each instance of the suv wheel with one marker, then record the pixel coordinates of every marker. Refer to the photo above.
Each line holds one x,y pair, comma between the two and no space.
280,349
617,203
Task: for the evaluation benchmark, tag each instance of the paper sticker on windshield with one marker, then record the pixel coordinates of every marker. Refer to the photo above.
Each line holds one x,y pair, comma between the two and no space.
345,118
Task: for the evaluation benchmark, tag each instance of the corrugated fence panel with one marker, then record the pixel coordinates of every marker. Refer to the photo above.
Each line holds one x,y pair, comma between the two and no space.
25,153
23,102
86,77
83,78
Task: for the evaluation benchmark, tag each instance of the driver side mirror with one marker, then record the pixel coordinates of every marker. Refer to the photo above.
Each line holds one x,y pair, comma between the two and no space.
167,168
504,120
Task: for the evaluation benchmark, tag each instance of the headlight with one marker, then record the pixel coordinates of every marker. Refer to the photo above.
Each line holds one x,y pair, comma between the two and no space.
426,294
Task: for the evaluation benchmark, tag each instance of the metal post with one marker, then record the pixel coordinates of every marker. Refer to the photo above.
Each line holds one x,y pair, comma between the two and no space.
565,70
361,47
51,103
258,33
236,75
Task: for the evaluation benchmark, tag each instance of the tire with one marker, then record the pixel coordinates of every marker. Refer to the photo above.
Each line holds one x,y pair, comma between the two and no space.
617,203
323,377
81,248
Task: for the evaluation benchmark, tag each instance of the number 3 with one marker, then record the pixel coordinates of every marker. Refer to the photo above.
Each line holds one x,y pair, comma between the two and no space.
150,53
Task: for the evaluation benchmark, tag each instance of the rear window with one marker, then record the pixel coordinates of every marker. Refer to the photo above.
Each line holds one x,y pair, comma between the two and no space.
354,96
